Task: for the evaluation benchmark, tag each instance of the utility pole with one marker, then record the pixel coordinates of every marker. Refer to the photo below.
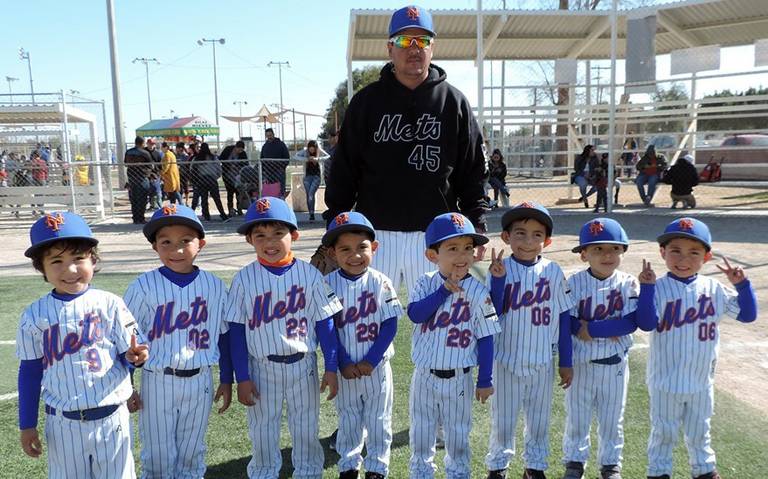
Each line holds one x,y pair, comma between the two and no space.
146,62
213,42
240,103
10,90
280,77
116,101
24,55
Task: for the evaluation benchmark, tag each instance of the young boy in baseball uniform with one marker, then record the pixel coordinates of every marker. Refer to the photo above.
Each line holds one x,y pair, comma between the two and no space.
453,332
366,328
280,308
180,310
533,303
684,345
600,369
78,343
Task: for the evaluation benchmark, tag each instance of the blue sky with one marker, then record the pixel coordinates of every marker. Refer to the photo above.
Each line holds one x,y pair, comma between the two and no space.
69,48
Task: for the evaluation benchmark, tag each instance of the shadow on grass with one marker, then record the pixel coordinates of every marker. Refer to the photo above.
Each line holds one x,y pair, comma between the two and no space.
236,468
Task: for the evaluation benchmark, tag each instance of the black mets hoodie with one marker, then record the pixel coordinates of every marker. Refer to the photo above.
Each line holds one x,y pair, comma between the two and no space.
405,156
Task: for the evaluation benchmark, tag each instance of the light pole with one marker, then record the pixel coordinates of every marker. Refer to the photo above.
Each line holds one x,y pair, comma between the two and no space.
146,62
280,77
10,90
214,41
24,55
240,103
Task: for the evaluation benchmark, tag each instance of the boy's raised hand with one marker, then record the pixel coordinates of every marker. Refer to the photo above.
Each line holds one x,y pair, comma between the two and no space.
137,353
497,268
330,381
452,281
735,275
224,392
247,393
647,275
30,442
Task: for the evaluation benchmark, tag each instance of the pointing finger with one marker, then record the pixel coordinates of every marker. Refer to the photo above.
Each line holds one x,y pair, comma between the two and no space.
493,254
727,263
133,341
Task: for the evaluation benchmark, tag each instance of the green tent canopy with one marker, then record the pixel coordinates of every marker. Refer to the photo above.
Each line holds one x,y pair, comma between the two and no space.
178,127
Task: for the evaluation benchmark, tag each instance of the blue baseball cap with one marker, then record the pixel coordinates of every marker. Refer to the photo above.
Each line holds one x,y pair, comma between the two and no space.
345,222
55,226
528,209
690,228
411,16
265,209
451,225
172,215
602,231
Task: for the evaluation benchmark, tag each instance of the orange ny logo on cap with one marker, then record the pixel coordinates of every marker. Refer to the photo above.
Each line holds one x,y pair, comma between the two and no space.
262,205
342,218
457,219
169,210
53,221
686,224
525,204
596,228
413,13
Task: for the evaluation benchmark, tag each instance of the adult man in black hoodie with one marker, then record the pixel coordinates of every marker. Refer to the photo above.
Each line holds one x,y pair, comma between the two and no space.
409,149
139,163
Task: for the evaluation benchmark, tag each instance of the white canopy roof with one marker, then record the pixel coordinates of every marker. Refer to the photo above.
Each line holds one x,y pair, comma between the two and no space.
553,34
43,113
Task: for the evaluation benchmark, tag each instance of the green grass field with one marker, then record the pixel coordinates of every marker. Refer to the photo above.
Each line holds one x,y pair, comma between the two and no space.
740,434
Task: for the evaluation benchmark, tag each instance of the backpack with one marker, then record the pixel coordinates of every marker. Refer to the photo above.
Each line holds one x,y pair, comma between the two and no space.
711,173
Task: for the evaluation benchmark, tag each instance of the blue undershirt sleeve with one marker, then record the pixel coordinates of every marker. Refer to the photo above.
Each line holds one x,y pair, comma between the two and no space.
747,302
497,294
646,316
565,342
614,327
485,362
238,348
421,311
343,356
29,383
329,343
225,360
575,325
387,332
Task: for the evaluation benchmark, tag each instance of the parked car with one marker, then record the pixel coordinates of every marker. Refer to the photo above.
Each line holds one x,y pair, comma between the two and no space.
743,157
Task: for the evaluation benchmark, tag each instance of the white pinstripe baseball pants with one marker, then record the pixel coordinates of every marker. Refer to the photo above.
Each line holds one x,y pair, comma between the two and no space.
668,412
531,394
365,414
173,423
297,386
99,449
601,388
401,257
436,401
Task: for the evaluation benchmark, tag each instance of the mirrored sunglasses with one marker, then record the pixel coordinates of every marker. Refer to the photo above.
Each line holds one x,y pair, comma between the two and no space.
405,41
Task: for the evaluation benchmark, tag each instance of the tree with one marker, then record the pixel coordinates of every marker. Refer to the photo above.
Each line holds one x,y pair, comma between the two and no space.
339,103
734,123
676,92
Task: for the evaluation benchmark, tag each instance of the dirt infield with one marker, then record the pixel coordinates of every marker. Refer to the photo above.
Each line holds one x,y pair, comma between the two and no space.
743,365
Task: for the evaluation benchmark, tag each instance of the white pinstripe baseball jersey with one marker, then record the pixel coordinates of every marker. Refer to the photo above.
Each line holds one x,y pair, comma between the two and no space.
684,346
448,340
279,312
182,325
368,301
79,341
602,300
534,297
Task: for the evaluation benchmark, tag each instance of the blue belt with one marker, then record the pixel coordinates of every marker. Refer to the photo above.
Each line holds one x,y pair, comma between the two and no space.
447,373
611,360
85,414
181,373
289,359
